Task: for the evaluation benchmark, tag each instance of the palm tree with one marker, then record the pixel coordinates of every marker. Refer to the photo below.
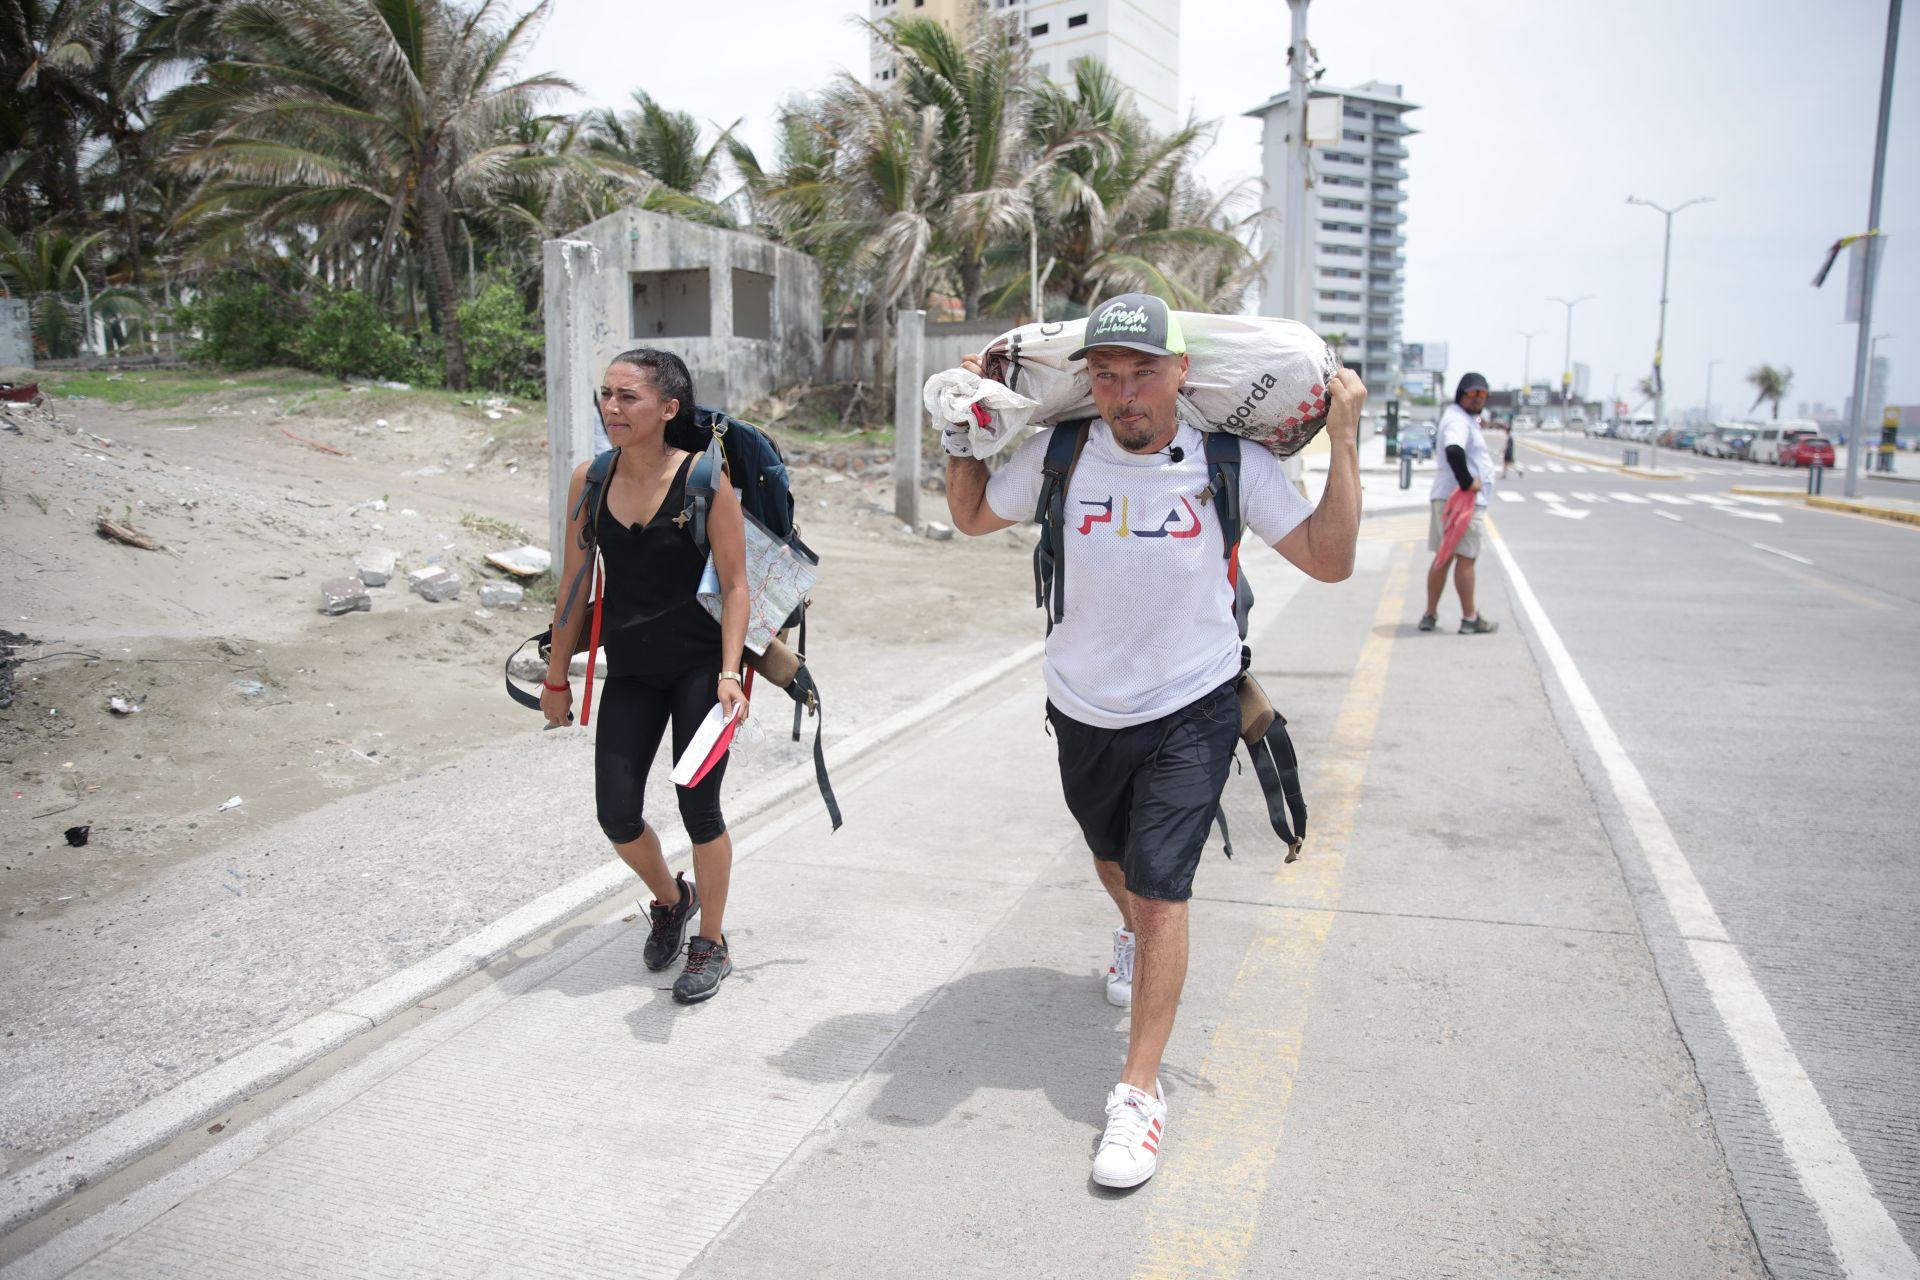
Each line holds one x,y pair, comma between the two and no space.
1772,384
1645,390
985,166
339,112
661,152
1124,210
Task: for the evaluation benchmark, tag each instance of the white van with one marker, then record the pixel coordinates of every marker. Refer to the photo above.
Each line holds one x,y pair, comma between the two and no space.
1768,435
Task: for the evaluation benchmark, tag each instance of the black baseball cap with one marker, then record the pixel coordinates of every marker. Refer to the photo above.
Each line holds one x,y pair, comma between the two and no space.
1469,382
1137,321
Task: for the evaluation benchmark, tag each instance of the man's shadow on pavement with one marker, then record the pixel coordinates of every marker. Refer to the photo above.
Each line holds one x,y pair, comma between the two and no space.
1022,1029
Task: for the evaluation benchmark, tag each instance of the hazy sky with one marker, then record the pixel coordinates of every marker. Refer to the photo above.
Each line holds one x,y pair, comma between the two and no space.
1538,118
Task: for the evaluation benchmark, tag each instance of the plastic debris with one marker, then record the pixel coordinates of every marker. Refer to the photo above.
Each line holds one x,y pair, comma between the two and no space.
522,562
232,802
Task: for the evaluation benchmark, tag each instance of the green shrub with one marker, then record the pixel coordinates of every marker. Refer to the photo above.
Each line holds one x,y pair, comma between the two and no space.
243,324
345,334
506,347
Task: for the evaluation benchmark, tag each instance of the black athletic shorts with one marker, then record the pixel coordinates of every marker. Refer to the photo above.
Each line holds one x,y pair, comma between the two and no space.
1145,796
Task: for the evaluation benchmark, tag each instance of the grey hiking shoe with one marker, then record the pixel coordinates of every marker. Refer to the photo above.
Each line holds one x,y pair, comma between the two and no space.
707,964
669,925
1428,622
1477,627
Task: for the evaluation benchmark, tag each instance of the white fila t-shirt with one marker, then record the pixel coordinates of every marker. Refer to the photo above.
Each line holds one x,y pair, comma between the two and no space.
1149,613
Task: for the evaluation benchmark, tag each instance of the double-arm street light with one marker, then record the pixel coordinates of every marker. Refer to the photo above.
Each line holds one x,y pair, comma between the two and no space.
1566,372
1660,343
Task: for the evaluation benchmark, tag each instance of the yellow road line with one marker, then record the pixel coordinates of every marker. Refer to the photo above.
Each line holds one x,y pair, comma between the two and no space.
1208,1193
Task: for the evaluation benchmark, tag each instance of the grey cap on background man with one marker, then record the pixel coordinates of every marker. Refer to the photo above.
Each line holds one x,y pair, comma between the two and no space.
1137,321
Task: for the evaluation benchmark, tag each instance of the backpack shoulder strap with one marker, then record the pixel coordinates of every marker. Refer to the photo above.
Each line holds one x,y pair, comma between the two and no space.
1223,473
1064,447
704,476
593,500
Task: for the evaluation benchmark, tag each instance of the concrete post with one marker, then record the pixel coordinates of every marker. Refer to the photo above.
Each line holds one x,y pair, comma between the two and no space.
909,375
569,296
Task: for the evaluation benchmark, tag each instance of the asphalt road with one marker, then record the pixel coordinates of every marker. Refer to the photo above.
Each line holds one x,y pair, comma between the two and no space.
1904,485
1755,663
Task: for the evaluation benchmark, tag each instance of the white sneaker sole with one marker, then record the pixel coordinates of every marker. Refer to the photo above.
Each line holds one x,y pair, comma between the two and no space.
1119,997
1119,1184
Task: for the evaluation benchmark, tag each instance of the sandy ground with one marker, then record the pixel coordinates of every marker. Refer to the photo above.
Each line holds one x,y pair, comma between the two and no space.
245,689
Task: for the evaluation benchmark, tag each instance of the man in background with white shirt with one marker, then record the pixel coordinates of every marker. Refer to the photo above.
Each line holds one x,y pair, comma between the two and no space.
1143,664
1461,461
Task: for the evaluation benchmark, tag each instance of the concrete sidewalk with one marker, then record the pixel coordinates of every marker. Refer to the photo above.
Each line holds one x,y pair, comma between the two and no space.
1434,1046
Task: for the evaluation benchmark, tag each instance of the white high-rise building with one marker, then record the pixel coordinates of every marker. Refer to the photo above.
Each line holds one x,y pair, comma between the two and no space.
1139,40
1355,198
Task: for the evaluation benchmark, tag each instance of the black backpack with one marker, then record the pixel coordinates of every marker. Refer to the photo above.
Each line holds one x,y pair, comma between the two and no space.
720,442
1274,760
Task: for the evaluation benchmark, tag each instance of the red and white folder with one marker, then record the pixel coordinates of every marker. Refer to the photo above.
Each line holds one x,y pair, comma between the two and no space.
710,742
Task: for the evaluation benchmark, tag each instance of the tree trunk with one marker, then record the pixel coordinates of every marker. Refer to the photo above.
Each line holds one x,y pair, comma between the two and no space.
433,231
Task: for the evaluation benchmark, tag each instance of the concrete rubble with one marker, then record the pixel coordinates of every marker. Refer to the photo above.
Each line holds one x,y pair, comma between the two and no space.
376,566
344,595
434,582
506,595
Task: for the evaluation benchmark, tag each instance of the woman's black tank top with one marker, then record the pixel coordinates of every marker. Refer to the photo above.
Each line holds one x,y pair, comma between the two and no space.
652,625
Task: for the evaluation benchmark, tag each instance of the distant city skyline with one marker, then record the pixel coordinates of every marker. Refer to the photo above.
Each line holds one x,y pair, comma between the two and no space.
1533,135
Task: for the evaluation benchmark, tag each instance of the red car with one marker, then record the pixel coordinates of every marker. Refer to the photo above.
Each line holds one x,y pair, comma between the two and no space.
1807,451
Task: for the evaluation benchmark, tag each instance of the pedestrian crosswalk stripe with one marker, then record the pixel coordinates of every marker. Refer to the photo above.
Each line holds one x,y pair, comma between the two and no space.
1589,497
1555,466
1758,502
1712,499
1669,499
1544,496
1574,466
1505,496
1628,497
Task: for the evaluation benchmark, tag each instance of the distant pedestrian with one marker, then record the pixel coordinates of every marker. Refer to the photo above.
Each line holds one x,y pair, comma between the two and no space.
668,661
1506,456
1144,662
1463,462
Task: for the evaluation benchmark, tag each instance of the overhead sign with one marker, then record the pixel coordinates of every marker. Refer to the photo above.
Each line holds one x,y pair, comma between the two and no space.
1424,357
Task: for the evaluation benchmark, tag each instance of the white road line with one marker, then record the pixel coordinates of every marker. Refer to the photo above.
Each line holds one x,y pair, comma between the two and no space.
1555,466
1712,499
1668,515
1619,496
1589,497
1672,500
1506,496
1787,554
1865,1240
1574,466
1757,502
1544,496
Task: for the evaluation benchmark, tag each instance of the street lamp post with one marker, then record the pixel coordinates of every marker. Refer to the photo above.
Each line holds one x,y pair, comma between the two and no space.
1526,362
1706,409
1660,342
1566,370
1862,343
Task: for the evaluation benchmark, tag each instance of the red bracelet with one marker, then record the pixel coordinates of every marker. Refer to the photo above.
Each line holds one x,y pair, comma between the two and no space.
565,686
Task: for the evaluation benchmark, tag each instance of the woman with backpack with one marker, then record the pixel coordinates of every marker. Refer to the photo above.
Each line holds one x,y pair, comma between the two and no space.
667,659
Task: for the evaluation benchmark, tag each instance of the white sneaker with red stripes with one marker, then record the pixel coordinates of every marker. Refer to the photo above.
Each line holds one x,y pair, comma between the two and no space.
1120,971
1130,1148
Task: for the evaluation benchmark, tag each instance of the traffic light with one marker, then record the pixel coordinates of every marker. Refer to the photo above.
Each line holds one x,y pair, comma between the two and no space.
1393,428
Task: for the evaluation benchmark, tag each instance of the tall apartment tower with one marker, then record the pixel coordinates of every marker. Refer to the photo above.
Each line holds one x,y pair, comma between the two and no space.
1139,40
1356,190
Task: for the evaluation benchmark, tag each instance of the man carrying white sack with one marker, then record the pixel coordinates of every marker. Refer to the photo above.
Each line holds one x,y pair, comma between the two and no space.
1143,660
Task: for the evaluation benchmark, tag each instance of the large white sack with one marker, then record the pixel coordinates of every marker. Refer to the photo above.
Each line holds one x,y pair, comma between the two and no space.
1261,378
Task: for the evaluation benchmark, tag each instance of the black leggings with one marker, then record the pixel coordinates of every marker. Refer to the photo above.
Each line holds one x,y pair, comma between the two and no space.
633,712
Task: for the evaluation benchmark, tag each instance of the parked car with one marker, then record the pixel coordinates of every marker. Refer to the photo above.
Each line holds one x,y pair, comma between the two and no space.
1685,439
1771,438
1551,422
1417,441
1525,422
1807,451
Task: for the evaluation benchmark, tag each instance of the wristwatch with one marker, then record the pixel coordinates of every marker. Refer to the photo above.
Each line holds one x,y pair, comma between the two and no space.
731,675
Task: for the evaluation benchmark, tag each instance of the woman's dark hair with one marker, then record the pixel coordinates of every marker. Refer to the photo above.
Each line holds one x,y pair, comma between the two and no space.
669,374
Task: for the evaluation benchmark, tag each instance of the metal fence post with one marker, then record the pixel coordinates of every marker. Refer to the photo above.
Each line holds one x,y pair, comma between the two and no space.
570,266
909,373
